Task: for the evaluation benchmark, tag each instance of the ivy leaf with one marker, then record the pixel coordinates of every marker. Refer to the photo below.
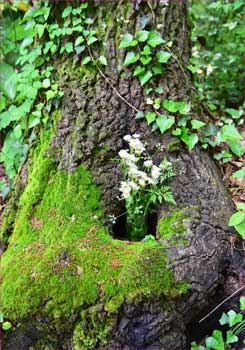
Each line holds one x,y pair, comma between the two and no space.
229,132
46,83
142,35
127,41
157,69
240,206
154,39
146,50
163,56
234,317
103,60
18,131
224,319
138,70
33,121
66,11
189,139
240,228
197,124
242,303
235,113
86,60
6,326
239,173
69,47
165,122
231,337
150,117
79,40
139,115
91,40
176,132
2,103
171,106
8,80
130,58
184,107
237,148
145,59
80,49
216,341
236,218
145,77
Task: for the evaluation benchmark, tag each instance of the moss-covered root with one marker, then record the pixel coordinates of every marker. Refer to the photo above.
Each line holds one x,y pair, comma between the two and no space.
60,259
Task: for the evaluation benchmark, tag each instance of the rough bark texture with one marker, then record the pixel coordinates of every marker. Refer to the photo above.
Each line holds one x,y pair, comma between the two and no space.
90,132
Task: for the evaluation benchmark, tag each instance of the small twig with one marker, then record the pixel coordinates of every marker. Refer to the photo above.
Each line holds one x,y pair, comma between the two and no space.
211,312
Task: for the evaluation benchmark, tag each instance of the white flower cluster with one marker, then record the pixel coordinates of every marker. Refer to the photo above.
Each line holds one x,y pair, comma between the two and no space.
131,159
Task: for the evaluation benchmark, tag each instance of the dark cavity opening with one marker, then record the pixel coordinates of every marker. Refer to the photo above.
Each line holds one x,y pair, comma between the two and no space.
122,230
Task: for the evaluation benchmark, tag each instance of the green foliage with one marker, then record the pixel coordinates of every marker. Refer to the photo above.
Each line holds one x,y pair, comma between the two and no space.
27,77
217,35
236,324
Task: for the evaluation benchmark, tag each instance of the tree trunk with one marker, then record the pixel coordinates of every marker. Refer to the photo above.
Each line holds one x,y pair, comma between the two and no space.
68,279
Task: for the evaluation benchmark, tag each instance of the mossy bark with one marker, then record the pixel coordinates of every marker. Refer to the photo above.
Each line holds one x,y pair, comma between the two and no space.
66,282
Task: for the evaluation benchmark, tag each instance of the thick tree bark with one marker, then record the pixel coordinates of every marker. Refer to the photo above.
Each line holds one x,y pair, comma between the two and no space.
155,308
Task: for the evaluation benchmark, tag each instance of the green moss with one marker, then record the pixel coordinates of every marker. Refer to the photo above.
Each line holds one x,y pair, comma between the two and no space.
60,258
172,228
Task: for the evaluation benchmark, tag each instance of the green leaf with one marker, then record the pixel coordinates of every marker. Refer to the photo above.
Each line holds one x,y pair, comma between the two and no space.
165,122
139,115
240,228
138,70
150,117
224,319
154,39
157,69
142,35
86,60
240,206
69,47
80,49
235,113
189,139
91,40
163,56
6,326
103,60
145,59
234,317
239,174
130,58
157,103
33,121
2,103
79,40
66,11
8,80
46,83
159,90
216,341
18,131
145,77
236,218
231,337
184,107
237,148
26,42
229,132
127,41
146,50
169,197
242,303
197,124
171,106
176,132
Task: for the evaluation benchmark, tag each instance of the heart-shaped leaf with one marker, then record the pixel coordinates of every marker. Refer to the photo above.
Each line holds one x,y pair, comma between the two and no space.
165,122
